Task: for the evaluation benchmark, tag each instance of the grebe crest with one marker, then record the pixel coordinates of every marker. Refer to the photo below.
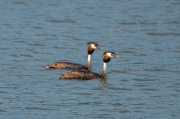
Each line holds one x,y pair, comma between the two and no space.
108,55
92,47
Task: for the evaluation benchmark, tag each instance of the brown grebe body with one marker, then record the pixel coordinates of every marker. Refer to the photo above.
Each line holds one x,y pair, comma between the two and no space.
75,66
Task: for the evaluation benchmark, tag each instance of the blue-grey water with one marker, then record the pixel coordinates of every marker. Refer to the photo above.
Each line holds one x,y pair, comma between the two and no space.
143,83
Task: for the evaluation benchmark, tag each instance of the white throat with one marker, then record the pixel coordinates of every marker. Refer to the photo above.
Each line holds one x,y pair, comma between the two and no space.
88,64
104,70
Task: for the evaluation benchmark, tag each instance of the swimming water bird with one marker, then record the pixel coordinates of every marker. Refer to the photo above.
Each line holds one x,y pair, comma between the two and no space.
87,75
75,66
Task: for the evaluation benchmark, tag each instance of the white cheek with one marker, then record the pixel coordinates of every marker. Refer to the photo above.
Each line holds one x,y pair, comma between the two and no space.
109,54
93,46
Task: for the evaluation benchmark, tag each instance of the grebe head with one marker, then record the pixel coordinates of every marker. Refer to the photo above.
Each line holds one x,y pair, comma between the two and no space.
92,47
108,55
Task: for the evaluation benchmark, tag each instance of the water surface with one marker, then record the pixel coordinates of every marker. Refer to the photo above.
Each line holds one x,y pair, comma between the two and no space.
143,83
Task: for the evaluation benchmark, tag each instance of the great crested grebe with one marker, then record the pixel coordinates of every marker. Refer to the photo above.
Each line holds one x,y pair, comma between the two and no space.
74,66
87,75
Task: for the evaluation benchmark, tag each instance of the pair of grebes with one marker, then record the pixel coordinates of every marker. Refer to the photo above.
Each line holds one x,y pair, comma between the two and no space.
84,71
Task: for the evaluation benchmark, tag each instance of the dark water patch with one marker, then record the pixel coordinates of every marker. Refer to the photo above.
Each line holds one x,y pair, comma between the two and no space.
6,24
44,35
172,30
47,35
144,79
177,83
31,50
3,92
87,27
124,111
116,104
91,15
155,96
29,93
69,36
175,51
139,63
156,43
140,85
19,41
139,104
127,23
171,22
21,3
103,116
173,86
37,108
61,21
141,54
124,71
54,5
16,60
149,24
84,103
114,88
52,35
149,89
156,70
37,27
77,39
10,98
177,90
139,111
14,55
156,49
175,95
57,47
2,111
178,47
164,34
4,48
37,44
83,93
137,16
148,30
37,34
51,39
26,55
127,51
116,71
125,80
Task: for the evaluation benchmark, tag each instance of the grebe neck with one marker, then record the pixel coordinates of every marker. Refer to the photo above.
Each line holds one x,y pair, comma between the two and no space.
88,64
104,70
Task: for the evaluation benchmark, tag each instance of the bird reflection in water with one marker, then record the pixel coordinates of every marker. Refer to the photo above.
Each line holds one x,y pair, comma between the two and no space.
103,83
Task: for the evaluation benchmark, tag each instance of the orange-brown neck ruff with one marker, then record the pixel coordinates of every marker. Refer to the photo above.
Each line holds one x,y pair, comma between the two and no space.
106,58
90,49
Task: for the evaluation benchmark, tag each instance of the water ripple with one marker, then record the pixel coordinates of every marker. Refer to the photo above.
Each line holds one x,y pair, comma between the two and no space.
143,83
61,21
